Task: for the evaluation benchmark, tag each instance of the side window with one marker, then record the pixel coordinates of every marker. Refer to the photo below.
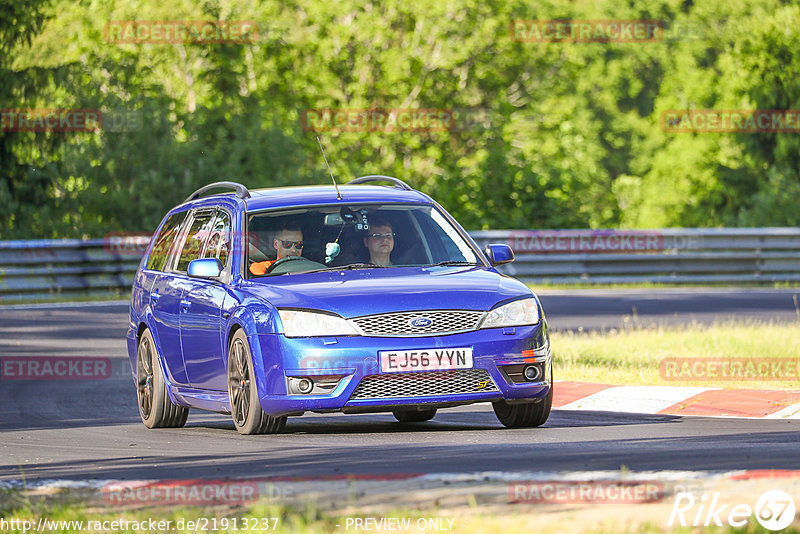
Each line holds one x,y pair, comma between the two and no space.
163,242
198,233
219,244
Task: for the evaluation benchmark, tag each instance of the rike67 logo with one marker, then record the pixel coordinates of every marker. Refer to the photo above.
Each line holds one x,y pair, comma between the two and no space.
774,510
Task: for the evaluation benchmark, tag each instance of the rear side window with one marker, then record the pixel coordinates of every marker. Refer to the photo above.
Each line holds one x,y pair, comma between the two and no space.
219,243
198,233
163,242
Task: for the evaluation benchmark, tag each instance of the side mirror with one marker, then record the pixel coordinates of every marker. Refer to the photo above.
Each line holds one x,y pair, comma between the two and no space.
499,254
205,268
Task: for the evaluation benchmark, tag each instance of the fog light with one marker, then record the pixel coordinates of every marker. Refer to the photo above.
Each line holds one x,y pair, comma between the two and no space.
304,385
531,373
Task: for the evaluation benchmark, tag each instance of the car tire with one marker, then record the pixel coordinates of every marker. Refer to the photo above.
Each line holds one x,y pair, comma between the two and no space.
248,417
414,416
524,415
155,408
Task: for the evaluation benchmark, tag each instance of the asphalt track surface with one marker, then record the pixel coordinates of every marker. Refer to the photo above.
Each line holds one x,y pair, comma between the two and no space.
90,430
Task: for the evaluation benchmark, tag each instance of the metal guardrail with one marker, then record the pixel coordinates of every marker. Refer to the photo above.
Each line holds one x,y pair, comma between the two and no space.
68,267
105,267
673,256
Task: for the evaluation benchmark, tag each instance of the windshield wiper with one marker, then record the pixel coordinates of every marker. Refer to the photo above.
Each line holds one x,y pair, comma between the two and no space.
445,263
361,266
349,267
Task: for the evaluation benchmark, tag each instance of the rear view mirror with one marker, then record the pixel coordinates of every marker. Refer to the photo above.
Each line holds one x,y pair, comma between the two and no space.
333,219
346,216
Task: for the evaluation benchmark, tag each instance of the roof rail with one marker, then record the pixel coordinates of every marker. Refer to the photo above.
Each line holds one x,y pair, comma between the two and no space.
400,184
241,191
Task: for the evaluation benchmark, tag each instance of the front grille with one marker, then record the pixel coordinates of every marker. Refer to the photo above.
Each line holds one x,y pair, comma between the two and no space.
424,384
410,324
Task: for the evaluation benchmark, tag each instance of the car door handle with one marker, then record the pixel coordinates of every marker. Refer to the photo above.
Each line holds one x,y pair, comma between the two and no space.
185,304
154,297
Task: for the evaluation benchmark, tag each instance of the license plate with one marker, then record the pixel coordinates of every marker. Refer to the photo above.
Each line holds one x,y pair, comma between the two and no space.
397,361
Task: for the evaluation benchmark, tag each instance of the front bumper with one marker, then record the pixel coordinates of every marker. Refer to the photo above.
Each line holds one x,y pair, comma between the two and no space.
351,359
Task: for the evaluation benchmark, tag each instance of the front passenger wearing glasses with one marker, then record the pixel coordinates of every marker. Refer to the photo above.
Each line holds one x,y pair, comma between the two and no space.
380,242
288,241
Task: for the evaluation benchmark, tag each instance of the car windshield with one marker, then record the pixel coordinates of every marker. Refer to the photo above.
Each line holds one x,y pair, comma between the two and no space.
359,236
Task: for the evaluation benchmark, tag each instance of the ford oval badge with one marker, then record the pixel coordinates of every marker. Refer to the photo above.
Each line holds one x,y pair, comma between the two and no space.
420,322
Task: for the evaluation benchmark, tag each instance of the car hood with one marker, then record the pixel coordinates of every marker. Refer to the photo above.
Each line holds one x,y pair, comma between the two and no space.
370,291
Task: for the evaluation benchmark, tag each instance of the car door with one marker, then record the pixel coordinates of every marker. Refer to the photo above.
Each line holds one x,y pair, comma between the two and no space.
164,297
165,303
202,339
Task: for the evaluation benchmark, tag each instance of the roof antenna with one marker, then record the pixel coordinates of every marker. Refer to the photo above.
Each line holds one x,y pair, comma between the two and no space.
338,194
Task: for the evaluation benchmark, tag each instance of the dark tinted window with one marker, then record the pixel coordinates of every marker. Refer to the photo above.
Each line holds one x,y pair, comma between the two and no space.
198,233
163,242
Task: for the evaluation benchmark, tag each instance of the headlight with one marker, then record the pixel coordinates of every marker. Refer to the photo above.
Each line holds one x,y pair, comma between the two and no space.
309,324
518,313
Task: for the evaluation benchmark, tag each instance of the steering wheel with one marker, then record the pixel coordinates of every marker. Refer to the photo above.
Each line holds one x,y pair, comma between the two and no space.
282,261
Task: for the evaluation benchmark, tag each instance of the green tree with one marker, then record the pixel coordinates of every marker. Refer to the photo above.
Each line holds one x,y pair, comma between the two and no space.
563,134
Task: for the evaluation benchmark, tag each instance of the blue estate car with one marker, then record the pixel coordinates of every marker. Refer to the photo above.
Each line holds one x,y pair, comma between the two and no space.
385,305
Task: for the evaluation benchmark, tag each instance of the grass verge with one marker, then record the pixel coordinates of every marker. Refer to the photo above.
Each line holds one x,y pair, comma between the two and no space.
58,515
731,355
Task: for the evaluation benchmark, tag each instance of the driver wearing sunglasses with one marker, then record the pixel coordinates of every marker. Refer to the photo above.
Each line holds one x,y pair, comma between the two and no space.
287,242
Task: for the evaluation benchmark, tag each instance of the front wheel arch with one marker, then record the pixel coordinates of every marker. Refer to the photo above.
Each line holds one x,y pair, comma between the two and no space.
243,390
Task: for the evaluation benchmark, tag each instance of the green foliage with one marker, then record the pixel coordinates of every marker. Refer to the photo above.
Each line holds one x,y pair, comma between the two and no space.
567,134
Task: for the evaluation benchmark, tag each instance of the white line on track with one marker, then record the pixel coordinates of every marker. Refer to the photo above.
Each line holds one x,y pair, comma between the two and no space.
634,399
